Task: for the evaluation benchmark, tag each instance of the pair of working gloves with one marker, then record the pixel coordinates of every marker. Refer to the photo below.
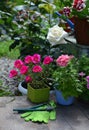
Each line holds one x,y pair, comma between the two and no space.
39,113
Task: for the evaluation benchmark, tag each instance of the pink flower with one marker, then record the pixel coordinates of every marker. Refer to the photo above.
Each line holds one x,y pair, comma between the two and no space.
24,69
81,74
28,59
37,68
47,60
13,73
28,79
79,5
36,58
66,11
63,60
18,64
87,85
87,79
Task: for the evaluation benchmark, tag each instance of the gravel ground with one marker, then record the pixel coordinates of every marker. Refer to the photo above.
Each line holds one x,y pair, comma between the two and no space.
7,83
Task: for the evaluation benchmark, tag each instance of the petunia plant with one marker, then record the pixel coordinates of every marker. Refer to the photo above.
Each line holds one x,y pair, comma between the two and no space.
66,78
32,69
84,77
77,8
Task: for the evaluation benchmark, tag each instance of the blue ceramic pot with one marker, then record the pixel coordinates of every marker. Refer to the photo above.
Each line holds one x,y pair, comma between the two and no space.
60,99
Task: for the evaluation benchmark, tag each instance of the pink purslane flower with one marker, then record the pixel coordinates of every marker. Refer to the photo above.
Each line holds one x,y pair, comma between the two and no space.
18,64
47,60
79,5
28,59
13,73
63,60
24,69
37,68
28,79
36,58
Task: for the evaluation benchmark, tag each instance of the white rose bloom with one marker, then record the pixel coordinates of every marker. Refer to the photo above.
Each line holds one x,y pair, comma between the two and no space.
56,35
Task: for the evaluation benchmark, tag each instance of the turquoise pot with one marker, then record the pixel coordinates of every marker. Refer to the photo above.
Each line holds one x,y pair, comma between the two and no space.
61,100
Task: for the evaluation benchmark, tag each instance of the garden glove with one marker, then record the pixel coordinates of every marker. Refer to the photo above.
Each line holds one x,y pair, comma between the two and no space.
41,115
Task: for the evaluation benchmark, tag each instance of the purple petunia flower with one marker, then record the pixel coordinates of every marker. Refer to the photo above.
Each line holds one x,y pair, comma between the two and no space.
81,74
88,86
87,78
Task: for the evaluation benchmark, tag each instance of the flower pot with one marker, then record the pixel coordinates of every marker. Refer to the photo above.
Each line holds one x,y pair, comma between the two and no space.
38,95
22,89
61,100
82,31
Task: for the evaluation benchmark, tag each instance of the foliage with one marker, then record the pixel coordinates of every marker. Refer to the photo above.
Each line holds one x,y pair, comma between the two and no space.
84,73
3,92
63,3
34,70
83,10
27,25
84,64
77,8
66,76
4,50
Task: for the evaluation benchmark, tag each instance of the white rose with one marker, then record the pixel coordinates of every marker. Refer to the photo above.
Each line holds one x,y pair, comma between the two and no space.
56,35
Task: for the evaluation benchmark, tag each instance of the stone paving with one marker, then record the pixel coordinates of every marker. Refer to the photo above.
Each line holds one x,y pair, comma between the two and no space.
74,117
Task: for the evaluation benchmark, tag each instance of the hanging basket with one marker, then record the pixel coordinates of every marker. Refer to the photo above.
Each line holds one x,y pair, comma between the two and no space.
82,31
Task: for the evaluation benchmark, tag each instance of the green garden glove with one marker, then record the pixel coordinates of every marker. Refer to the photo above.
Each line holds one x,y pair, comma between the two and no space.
40,116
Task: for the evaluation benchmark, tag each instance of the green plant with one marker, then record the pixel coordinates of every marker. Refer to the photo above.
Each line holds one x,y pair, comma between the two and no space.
84,64
66,76
34,70
30,25
4,50
81,11
83,76
77,8
27,23
3,91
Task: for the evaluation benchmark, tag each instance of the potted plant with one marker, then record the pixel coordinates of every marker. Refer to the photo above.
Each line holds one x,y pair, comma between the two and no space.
36,73
84,78
66,80
79,10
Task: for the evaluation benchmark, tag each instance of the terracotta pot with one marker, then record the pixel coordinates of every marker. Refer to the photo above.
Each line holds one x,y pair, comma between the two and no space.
38,95
82,31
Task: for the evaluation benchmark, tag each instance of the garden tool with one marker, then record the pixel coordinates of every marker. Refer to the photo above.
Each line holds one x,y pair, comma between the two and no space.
39,113
34,108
